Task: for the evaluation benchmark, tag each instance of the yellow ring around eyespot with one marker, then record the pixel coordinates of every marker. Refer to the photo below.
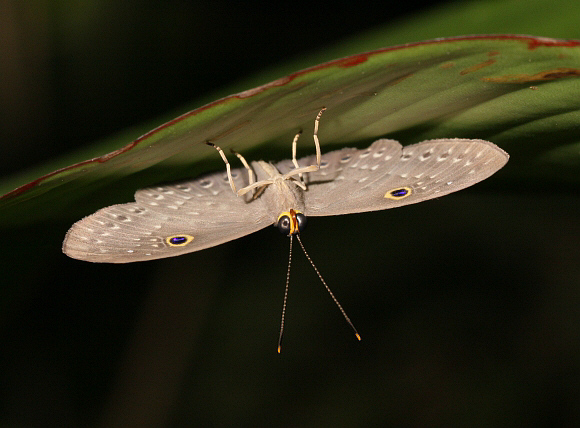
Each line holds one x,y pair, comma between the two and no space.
388,195
188,239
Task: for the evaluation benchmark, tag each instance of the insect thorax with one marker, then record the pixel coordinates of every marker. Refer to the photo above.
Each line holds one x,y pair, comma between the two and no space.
280,196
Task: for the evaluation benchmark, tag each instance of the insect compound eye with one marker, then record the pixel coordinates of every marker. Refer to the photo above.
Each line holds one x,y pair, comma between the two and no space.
284,224
291,222
178,240
398,193
302,221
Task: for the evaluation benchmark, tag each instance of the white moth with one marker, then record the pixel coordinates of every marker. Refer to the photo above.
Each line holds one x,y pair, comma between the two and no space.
171,220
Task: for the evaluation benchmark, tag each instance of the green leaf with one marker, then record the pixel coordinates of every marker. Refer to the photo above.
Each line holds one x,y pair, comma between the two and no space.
513,90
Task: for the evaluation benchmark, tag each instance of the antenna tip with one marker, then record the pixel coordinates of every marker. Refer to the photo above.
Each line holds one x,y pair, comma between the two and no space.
356,334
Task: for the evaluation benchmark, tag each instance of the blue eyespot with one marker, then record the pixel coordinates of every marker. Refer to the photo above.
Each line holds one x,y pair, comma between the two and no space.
178,240
399,193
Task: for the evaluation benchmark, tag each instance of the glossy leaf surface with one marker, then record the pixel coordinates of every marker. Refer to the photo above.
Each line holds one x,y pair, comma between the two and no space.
517,91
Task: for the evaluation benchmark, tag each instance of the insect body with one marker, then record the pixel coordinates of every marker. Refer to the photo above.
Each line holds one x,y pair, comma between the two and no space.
170,220
175,219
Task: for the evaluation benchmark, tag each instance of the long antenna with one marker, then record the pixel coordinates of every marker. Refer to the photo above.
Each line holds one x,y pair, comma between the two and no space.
285,297
326,286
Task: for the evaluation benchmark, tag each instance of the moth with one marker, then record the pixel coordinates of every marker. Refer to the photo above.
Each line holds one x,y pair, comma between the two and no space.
170,220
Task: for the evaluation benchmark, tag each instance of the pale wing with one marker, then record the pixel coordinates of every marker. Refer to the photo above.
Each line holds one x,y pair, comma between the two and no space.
197,214
352,181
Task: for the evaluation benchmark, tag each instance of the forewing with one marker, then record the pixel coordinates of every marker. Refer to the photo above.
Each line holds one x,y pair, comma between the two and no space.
202,213
350,180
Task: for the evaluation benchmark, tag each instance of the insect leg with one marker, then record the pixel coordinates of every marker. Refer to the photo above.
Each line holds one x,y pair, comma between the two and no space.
294,161
257,185
250,171
315,136
301,170
228,168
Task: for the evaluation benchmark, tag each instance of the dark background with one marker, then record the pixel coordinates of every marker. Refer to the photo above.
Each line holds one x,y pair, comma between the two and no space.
467,305
76,72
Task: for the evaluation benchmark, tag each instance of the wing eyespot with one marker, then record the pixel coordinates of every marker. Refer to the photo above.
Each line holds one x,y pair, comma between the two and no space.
178,240
399,193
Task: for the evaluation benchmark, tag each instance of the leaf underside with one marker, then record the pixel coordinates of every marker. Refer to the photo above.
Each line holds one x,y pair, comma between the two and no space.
520,92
